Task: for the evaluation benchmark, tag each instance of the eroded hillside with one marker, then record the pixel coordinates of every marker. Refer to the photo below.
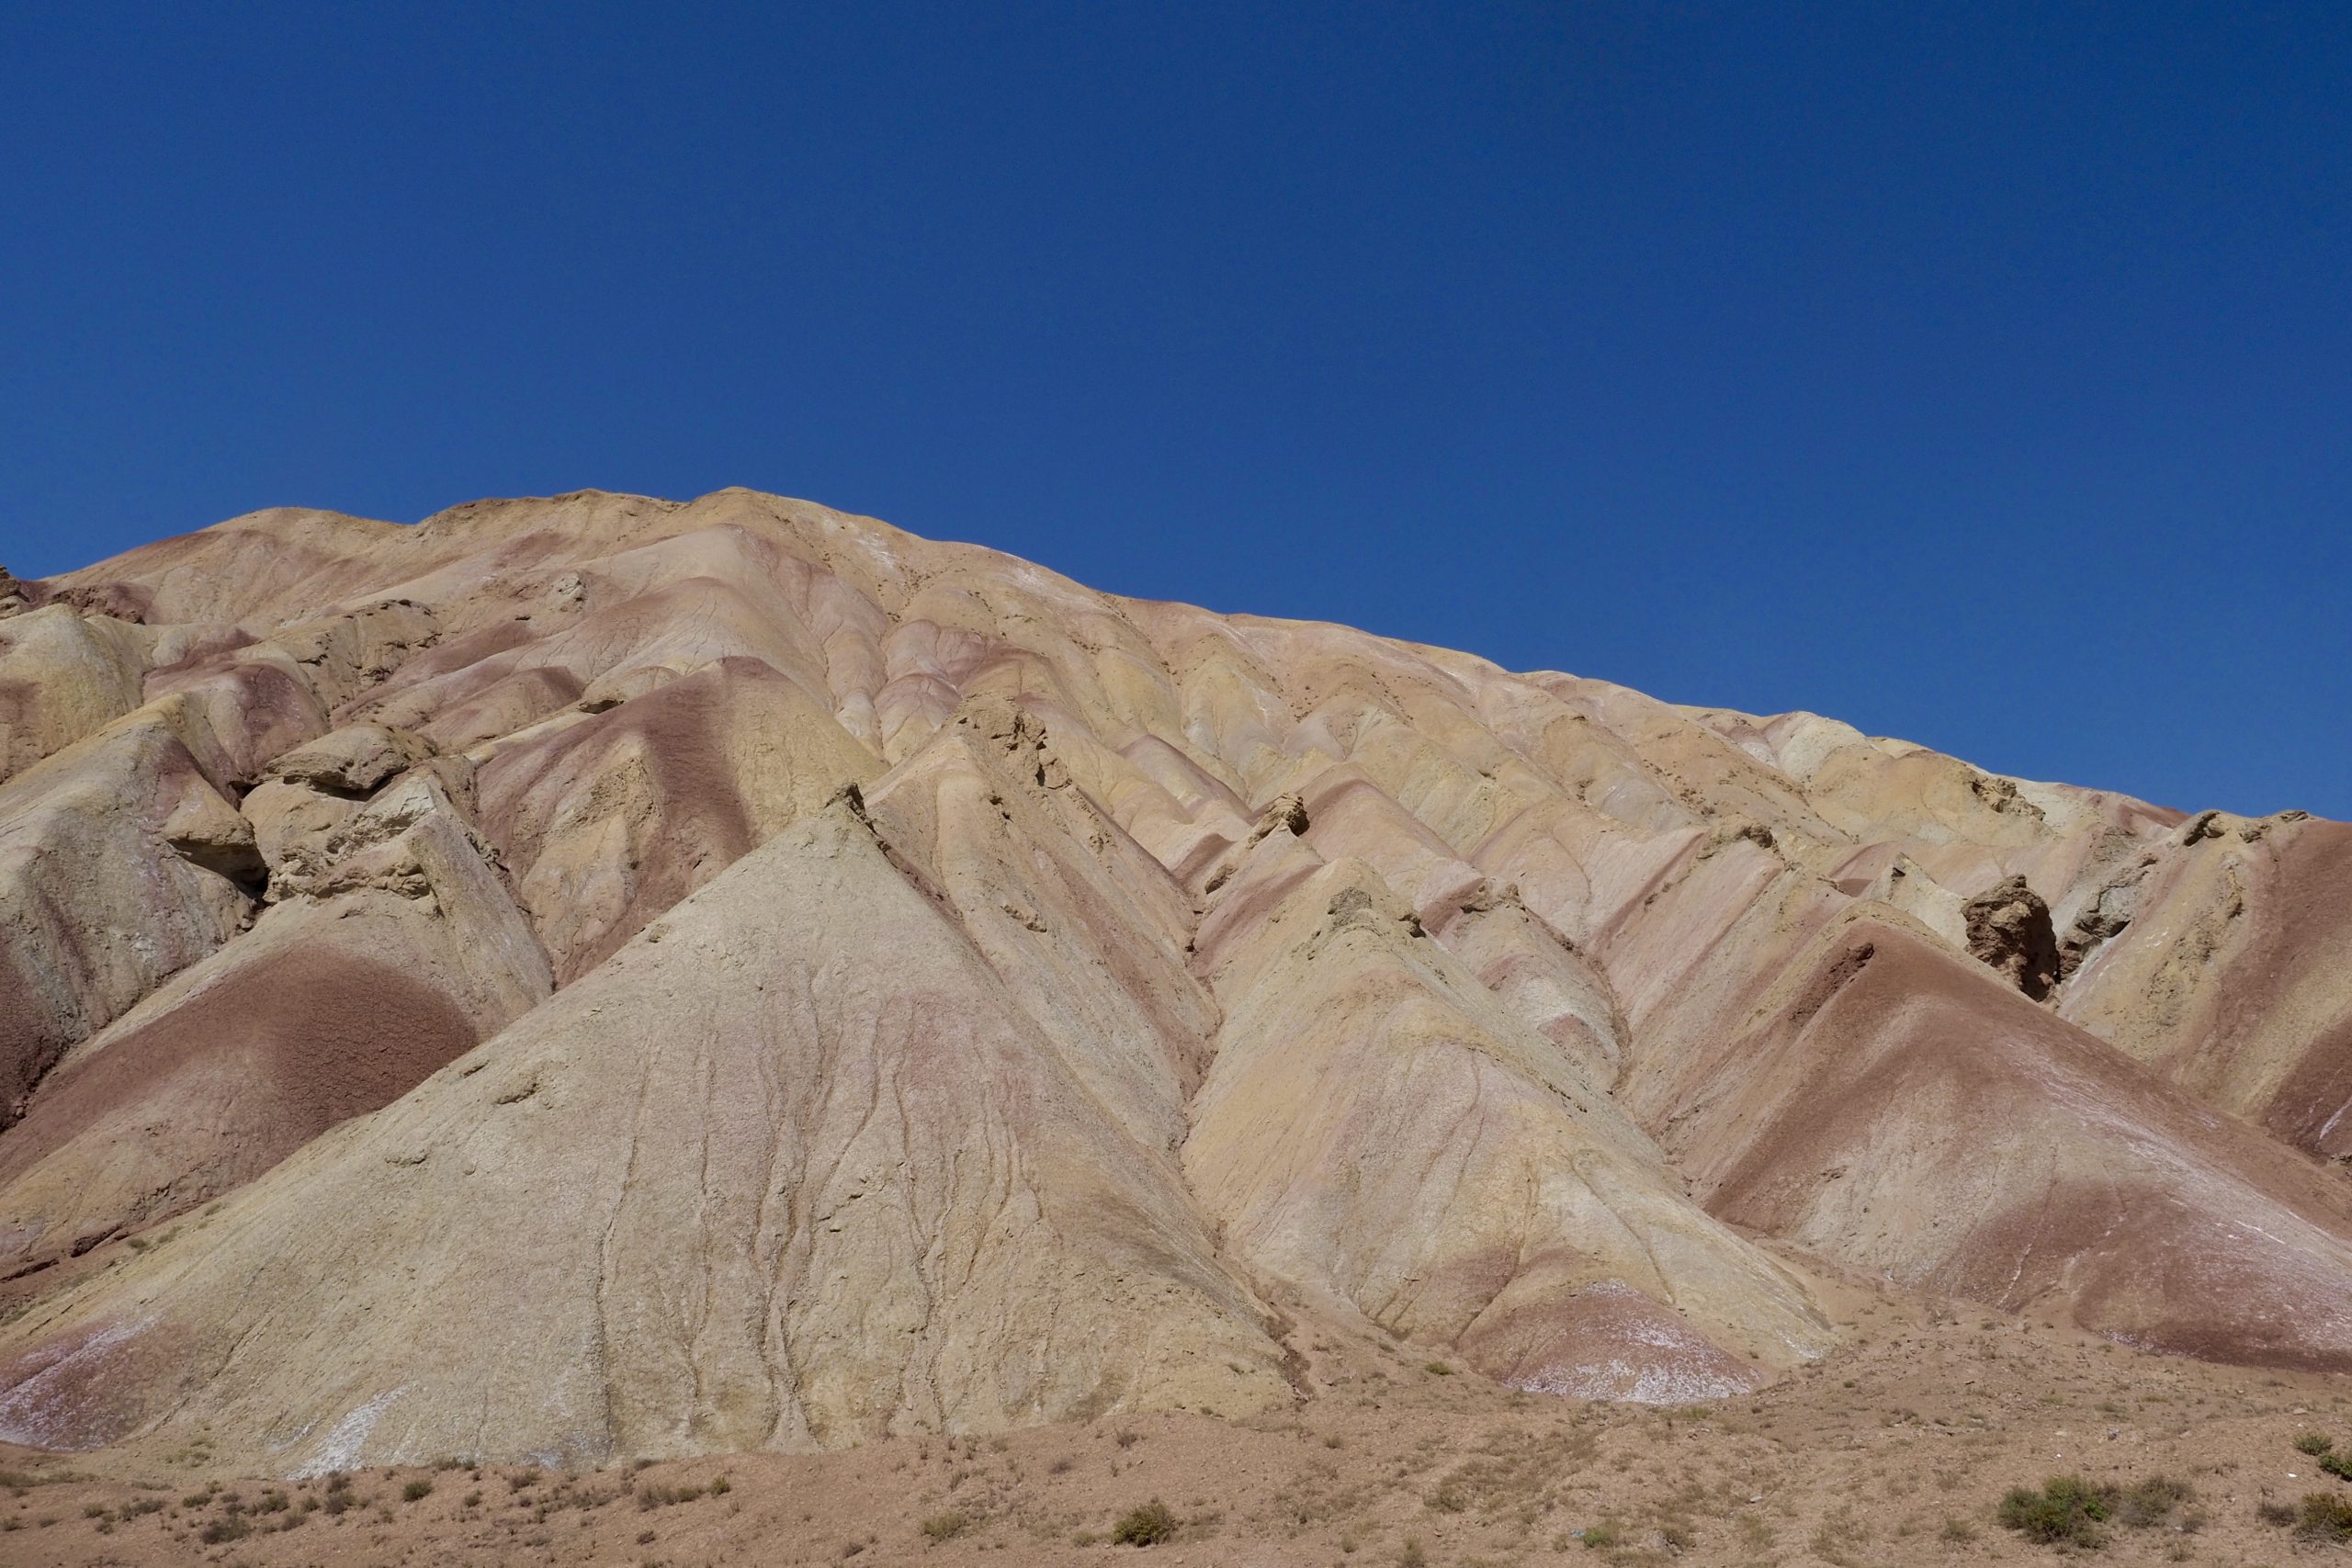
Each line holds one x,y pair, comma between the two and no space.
596,977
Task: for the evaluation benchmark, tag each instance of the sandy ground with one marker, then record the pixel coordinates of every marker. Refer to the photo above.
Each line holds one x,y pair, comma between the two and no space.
1895,1450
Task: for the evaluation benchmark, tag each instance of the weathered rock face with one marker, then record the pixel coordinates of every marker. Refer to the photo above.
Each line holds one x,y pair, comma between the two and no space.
2222,957
61,676
2009,932
600,976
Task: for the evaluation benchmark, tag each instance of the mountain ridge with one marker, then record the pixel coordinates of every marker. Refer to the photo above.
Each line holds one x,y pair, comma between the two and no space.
1341,987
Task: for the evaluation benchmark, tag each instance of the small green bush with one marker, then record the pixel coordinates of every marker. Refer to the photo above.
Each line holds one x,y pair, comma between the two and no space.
2337,1465
2326,1516
1600,1538
1147,1526
421,1487
2067,1511
2315,1442
2153,1501
946,1527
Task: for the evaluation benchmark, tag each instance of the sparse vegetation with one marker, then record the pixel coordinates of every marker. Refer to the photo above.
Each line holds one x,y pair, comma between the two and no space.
2326,1516
2315,1442
1145,1525
2070,1512
1485,1479
2154,1501
417,1490
2067,1511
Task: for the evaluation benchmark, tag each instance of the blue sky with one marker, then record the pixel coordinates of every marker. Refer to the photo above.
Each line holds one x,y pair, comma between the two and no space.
1980,375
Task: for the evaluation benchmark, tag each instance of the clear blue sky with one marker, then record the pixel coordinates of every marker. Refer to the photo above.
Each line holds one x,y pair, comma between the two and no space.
1978,375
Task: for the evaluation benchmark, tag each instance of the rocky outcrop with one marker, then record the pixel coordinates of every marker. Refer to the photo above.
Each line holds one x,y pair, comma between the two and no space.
2009,932
353,760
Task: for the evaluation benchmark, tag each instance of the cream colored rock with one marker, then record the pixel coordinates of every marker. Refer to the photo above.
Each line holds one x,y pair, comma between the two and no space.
608,820
789,1170
99,903
354,760
292,822
2225,962
1535,972
1376,1127
330,1008
61,676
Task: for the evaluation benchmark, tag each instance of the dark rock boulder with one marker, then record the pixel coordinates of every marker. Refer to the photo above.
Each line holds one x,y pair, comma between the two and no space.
2009,931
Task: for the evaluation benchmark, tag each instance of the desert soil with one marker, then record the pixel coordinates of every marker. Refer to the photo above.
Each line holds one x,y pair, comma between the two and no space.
1896,1448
